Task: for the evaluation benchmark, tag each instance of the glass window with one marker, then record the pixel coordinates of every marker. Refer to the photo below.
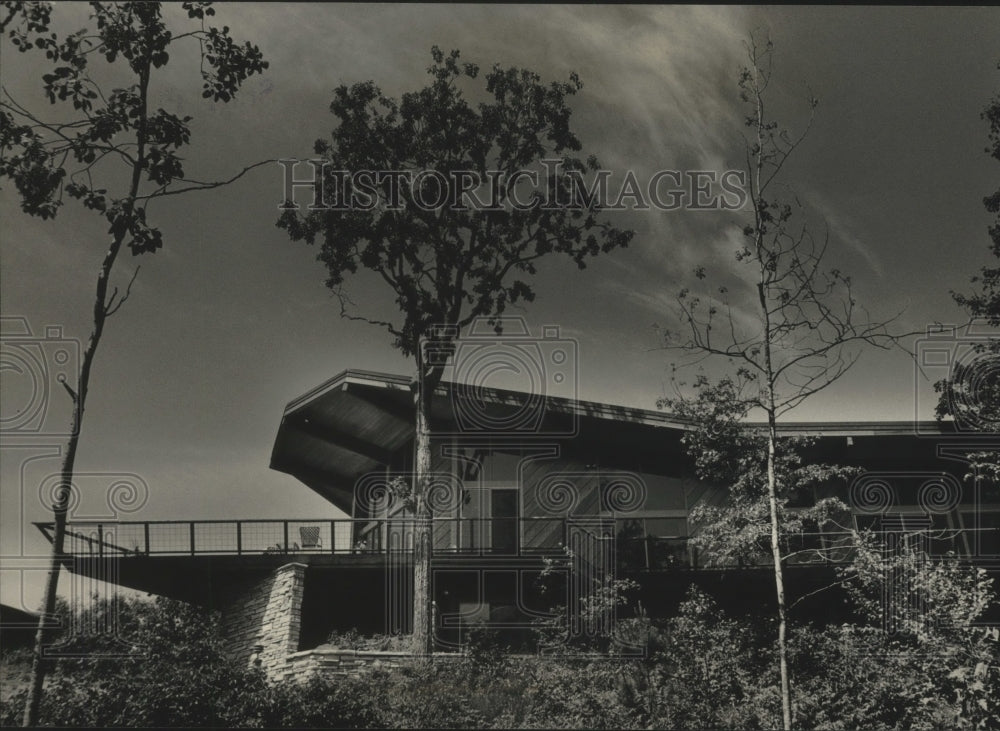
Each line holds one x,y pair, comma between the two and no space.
663,493
502,467
666,527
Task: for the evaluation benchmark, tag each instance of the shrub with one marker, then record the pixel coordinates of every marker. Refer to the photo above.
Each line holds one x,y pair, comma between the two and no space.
166,667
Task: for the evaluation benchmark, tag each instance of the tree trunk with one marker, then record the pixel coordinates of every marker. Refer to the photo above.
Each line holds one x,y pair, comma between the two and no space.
63,490
772,435
772,501
423,631
119,229
42,634
779,579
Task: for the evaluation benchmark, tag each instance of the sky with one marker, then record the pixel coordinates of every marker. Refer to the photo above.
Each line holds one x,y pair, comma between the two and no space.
231,320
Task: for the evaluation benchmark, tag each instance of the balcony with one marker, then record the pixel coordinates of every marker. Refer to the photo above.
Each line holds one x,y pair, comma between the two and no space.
310,537
452,537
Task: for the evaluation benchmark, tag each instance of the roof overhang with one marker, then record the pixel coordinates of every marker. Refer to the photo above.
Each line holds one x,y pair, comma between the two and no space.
344,428
358,421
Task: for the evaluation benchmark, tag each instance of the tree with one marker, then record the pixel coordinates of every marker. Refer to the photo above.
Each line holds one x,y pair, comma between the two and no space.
795,327
726,450
447,260
112,136
971,394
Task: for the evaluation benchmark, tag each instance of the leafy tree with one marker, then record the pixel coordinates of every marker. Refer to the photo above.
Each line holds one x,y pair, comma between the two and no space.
792,329
971,394
451,263
922,661
110,140
726,450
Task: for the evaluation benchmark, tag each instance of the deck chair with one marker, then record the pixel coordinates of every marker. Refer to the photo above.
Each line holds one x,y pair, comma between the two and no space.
310,537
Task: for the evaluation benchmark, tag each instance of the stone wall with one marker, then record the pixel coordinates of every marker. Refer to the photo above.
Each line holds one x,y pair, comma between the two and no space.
261,623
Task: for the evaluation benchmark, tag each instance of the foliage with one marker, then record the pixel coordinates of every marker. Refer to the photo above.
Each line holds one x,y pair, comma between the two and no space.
602,613
317,703
520,692
353,640
456,263
48,160
727,451
986,301
922,660
165,666
699,669
704,670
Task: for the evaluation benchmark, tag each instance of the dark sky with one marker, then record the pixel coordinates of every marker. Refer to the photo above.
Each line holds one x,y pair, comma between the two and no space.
231,320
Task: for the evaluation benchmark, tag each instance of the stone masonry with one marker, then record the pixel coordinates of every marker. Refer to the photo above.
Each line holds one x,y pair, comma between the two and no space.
262,622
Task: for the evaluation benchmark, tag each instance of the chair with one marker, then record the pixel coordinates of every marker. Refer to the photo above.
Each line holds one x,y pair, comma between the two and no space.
310,537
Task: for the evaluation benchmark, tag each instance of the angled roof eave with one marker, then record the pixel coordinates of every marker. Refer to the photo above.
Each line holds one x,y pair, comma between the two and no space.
612,412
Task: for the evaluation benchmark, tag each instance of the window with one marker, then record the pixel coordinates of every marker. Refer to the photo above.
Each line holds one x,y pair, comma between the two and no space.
654,540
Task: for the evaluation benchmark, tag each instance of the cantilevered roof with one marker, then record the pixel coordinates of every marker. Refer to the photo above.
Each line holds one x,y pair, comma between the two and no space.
356,421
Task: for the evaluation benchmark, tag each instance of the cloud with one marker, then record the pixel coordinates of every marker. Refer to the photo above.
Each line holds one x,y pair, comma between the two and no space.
843,229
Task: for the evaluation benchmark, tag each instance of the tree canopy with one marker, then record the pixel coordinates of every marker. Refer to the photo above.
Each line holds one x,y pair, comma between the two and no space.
455,262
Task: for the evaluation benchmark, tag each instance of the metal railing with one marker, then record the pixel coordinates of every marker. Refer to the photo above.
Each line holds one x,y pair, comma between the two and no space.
344,536
522,537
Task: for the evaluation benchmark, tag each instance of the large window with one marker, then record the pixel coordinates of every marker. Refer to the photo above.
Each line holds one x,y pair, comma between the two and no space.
653,540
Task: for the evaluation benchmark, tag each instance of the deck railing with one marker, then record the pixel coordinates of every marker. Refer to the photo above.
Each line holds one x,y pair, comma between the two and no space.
344,536
451,536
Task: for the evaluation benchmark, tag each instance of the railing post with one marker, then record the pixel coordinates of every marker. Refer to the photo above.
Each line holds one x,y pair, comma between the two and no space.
191,531
333,536
239,538
285,525
145,533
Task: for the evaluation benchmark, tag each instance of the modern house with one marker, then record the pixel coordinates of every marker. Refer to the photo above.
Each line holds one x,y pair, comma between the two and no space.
521,483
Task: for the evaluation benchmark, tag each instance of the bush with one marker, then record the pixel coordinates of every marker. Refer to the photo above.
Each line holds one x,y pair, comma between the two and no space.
354,640
166,667
699,669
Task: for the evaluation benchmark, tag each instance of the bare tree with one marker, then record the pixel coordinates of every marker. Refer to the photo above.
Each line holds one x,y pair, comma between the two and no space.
797,330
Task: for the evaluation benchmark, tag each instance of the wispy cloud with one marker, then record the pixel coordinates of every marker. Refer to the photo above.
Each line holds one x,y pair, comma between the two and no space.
844,230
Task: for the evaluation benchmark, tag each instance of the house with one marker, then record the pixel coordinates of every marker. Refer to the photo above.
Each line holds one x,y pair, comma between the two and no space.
517,480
